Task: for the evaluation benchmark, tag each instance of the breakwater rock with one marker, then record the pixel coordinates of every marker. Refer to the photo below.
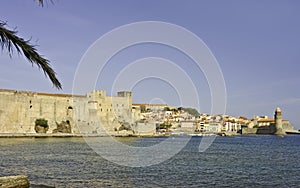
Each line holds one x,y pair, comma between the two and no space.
14,181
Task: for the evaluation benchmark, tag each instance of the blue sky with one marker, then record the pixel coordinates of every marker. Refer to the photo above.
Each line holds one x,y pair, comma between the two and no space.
256,44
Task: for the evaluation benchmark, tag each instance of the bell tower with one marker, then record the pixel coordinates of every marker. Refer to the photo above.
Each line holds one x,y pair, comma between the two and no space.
278,122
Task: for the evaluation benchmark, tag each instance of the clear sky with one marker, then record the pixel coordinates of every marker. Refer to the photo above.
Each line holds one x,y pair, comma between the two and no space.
256,44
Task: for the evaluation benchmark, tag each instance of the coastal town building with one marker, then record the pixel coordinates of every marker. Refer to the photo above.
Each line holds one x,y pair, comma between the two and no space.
152,107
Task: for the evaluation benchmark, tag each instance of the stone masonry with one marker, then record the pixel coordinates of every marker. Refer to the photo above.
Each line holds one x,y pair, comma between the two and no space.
20,109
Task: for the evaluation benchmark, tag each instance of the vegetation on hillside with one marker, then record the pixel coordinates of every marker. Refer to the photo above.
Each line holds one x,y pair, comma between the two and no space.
42,122
191,111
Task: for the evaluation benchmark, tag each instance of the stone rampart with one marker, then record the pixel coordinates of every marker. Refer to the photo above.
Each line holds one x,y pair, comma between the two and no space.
20,109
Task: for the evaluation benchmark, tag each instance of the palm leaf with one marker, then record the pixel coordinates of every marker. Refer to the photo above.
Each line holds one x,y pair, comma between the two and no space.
42,2
9,40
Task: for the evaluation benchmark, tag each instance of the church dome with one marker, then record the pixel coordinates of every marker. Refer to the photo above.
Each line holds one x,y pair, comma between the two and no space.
278,109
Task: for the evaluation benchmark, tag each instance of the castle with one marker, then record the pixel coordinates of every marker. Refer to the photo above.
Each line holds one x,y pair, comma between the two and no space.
19,111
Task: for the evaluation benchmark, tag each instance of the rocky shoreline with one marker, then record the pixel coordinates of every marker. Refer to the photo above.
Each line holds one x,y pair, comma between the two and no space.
66,135
20,181
36,135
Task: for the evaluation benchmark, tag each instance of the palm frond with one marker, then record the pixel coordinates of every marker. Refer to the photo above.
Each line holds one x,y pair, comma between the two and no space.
9,40
42,2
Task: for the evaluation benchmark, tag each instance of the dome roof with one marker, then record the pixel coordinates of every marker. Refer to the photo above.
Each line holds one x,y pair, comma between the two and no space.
278,109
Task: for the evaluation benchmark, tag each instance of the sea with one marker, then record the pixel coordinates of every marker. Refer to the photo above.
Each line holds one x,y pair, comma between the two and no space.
237,161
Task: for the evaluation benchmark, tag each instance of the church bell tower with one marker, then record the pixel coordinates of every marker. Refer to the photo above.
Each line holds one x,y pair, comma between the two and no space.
278,122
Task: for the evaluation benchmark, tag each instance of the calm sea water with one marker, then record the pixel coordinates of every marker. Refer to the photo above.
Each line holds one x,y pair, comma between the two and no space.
245,161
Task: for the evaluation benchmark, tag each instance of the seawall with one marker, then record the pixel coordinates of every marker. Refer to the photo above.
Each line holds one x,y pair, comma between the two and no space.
20,109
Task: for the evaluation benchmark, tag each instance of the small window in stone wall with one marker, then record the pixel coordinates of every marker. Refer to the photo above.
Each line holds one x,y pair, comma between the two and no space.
69,110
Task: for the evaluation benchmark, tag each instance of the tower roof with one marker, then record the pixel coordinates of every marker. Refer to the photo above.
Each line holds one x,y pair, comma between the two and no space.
278,109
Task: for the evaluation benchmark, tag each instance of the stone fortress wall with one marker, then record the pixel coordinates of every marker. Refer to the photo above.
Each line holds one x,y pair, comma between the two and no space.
20,109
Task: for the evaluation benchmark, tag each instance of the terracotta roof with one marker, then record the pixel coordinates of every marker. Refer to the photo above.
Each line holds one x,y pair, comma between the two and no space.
243,117
266,120
59,95
230,120
38,93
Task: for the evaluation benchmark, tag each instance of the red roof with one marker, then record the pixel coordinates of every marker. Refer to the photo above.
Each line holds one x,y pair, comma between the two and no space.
271,120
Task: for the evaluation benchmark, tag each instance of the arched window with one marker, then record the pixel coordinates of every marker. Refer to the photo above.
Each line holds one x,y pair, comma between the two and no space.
69,110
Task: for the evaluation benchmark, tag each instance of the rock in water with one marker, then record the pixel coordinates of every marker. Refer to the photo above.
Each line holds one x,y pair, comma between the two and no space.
63,127
40,129
14,182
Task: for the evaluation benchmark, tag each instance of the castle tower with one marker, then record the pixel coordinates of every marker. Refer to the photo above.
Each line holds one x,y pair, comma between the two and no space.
128,95
278,122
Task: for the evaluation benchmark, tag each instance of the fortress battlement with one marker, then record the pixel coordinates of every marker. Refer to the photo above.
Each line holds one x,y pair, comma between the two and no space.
20,109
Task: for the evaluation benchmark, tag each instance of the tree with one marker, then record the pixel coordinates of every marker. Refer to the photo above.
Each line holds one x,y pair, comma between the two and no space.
41,125
191,111
42,122
10,41
167,108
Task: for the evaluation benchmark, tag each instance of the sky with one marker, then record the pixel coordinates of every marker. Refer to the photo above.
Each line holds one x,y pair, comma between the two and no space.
255,43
